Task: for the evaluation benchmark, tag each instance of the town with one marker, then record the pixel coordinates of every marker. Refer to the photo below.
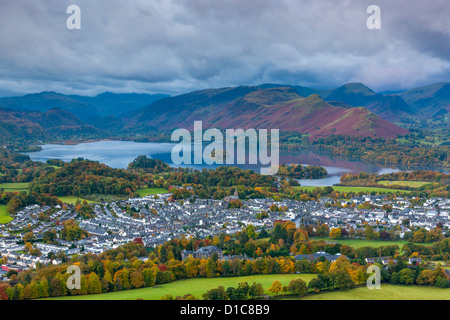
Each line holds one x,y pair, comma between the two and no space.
154,220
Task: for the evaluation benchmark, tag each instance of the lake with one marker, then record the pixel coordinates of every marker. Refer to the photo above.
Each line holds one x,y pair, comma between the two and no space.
118,154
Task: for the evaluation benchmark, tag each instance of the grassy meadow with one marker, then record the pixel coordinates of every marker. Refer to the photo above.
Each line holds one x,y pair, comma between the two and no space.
358,243
18,186
73,199
150,191
195,287
387,292
412,184
355,189
4,216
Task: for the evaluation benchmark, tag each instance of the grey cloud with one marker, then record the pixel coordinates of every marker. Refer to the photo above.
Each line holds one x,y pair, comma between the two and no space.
173,46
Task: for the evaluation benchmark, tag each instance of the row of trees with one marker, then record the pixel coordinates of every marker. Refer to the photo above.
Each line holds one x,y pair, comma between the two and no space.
121,268
16,167
80,178
244,291
17,200
302,172
382,151
417,175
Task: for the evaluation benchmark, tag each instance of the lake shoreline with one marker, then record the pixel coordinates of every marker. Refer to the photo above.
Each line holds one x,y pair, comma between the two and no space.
119,153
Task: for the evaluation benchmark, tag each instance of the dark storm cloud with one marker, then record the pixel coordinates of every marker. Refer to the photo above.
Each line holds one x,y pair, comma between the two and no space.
177,46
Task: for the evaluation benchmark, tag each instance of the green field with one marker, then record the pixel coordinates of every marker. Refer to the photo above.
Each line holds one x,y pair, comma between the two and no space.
195,287
356,189
387,292
149,191
412,184
358,243
73,199
11,187
4,216
199,286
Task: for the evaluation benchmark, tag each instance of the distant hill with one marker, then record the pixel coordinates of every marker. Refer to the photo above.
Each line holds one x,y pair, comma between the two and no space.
303,91
429,101
260,107
388,107
351,109
83,107
358,95
45,101
113,104
35,125
169,112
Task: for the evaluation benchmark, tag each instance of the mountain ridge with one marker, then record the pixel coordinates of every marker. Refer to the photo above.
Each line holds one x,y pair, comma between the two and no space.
352,109
282,108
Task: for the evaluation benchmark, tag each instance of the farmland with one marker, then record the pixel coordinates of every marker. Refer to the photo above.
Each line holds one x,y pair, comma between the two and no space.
358,243
4,216
11,187
369,190
387,292
73,199
149,191
412,184
195,287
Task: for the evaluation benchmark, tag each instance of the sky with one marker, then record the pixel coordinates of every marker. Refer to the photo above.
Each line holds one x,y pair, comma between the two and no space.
178,46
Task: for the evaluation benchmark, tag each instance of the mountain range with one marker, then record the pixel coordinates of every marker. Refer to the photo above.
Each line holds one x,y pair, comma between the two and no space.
253,107
429,101
351,109
102,105
36,125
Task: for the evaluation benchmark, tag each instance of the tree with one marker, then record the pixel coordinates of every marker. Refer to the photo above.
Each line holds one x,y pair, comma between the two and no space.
72,232
273,208
243,290
341,279
56,287
256,289
137,279
298,287
215,294
232,293
11,273
340,264
314,284
13,205
31,291
29,236
43,288
9,291
5,291
323,230
370,233
426,277
419,236
210,268
94,284
442,282
263,233
406,276
276,287
335,233
18,291
250,229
